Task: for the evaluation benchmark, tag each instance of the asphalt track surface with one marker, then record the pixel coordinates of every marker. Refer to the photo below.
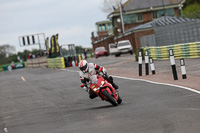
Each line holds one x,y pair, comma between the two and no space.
43,100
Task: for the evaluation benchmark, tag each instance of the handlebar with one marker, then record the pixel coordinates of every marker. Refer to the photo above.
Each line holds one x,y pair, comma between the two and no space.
103,73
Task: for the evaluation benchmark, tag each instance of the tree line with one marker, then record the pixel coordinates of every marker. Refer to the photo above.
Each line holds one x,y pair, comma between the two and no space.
191,8
8,55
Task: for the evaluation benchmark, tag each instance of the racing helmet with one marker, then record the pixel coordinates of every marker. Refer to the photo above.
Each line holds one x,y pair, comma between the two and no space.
83,66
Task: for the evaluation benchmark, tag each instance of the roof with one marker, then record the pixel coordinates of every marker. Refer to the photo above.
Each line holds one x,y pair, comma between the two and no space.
141,4
131,5
162,21
105,21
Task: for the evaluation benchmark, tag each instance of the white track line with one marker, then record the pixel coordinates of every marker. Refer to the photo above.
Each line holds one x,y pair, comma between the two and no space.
134,79
183,87
5,130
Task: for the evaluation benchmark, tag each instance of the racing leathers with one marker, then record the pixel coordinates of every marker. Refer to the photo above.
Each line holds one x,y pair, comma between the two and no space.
92,70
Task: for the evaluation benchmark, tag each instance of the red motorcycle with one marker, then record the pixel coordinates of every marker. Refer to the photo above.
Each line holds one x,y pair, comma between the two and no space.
104,89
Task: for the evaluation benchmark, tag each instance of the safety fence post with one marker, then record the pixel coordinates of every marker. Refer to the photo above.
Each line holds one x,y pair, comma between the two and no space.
147,62
79,58
173,65
183,70
152,66
140,62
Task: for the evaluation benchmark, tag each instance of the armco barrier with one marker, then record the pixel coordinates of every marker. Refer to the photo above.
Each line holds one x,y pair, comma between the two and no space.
56,62
188,50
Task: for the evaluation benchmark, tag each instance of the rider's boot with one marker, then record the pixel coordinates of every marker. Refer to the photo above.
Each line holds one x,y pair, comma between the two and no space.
115,86
110,79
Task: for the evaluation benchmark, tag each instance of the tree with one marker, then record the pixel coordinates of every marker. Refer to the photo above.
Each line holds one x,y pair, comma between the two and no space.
79,49
36,52
5,52
12,58
191,7
191,10
189,2
110,5
23,55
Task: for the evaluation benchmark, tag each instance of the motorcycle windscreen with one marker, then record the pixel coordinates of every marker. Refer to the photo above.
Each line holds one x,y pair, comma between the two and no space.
93,79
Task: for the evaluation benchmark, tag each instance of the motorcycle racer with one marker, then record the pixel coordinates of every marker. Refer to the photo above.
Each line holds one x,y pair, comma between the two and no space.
89,69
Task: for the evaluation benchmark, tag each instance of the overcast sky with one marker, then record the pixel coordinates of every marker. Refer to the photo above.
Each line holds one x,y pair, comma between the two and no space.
73,20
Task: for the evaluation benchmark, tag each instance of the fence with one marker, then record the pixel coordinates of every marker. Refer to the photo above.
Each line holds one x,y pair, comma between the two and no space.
56,62
176,31
59,62
148,40
37,62
188,50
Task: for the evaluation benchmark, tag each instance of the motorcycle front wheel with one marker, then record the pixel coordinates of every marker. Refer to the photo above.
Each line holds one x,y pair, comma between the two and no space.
110,98
119,101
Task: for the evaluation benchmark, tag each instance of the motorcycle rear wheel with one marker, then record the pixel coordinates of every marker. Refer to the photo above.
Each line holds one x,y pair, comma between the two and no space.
110,98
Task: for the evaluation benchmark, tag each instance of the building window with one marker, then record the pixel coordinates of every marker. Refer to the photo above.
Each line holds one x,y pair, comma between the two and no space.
161,13
99,27
139,17
102,27
109,26
164,12
132,18
169,12
155,14
126,19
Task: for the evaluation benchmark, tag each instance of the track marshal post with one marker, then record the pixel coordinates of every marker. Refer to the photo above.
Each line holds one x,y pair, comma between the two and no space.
173,65
140,62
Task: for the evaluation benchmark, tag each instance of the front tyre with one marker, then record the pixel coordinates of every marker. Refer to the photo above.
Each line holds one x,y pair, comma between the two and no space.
119,101
110,98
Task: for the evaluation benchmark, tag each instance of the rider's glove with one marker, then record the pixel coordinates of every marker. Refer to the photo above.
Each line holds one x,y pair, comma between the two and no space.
101,69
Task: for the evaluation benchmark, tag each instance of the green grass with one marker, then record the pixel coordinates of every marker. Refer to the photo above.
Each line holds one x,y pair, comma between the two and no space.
1,67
